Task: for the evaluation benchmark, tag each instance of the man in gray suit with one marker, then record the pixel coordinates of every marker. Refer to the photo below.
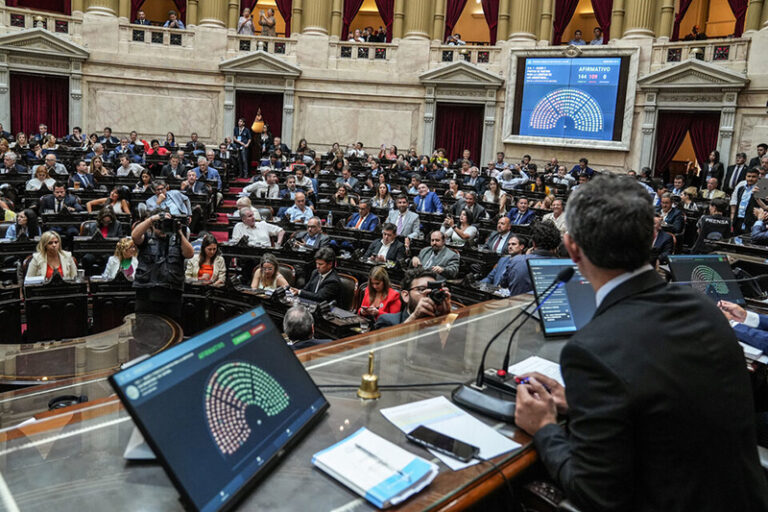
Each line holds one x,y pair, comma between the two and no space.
437,257
406,221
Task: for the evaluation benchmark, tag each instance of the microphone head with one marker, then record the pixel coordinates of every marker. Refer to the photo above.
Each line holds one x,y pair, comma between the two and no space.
565,275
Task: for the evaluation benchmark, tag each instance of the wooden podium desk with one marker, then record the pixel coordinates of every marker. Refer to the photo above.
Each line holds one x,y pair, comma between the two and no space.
72,459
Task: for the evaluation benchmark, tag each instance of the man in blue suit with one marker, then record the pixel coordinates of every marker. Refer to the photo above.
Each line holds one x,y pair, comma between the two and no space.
203,172
515,246
522,214
749,327
81,176
582,168
672,218
364,220
663,243
243,141
427,201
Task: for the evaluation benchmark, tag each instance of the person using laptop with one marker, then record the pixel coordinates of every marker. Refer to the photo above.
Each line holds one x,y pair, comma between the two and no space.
658,400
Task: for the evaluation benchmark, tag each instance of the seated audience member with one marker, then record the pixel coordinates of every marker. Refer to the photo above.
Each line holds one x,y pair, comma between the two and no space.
194,146
155,149
299,328
40,180
521,214
97,170
172,201
97,150
672,218
379,297
469,203
289,192
144,185
51,258
413,186
598,39
577,40
342,197
192,185
497,241
688,202
10,164
124,148
55,168
277,145
106,224
347,179
416,301
743,204
21,144
427,201
406,221
516,245
475,181
452,192
324,283
108,138
115,202
124,260
712,192
750,327
127,168
268,189
563,179
388,248
557,217
582,168
545,240
207,265
174,168
678,186
267,276
714,226
245,202
173,21
382,199
364,220
59,200
510,182
663,243
49,146
463,233
35,153
82,178
206,173
303,181
583,178
759,234
299,213
259,233
494,195
141,19
437,257
24,224
539,186
313,237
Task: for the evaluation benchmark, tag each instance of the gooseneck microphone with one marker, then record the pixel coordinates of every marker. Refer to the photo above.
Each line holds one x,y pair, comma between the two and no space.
489,401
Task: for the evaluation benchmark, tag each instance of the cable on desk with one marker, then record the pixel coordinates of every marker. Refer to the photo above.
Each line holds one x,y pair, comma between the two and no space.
394,386
501,472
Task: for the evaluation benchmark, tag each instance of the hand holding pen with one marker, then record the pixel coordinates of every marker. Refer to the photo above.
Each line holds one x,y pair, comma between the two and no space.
553,387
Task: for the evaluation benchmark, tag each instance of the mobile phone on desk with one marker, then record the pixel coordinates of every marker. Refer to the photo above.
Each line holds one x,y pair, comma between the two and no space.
442,443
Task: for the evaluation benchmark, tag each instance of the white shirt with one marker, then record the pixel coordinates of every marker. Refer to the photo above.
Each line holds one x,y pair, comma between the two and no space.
384,249
616,281
132,168
558,221
258,235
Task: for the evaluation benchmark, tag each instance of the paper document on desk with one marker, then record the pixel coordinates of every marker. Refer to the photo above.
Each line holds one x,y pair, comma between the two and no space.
443,416
380,471
537,364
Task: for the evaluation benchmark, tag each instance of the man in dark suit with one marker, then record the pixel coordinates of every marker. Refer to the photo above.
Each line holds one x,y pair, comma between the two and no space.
141,19
108,138
522,214
277,143
324,283
672,218
497,242
9,164
736,173
415,295
4,134
582,168
469,201
59,201
299,328
656,390
761,151
174,168
243,139
313,237
663,243
81,176
475,180
388,248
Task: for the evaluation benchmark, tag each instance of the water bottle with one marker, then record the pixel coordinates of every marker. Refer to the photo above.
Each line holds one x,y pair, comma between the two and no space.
329,220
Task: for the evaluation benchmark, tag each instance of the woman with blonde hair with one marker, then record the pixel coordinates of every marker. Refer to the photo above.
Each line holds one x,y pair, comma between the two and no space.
208,265
50,258
268,276
545,203
41,178
379,297
124,260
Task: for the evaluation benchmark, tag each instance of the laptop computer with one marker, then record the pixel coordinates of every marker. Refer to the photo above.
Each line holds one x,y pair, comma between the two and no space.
708,273
220,409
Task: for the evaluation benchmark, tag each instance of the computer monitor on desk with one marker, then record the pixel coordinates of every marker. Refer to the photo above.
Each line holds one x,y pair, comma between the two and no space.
221,408
711,274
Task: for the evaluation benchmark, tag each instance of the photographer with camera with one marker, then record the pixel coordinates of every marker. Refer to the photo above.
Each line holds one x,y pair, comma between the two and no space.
159,280
423,295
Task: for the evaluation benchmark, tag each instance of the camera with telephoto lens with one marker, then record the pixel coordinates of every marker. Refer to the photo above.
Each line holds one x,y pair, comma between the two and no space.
436,292
170,225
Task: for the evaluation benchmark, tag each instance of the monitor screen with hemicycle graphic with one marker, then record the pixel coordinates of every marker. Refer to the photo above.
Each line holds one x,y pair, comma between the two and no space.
710,274
219,409
572,98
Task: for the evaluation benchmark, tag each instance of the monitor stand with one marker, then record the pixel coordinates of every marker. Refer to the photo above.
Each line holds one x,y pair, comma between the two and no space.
137,448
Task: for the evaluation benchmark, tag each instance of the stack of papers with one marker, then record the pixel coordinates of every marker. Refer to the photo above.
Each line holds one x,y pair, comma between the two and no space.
443,416
380,471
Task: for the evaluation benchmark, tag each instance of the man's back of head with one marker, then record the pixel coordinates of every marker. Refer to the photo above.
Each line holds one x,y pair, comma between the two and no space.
298,323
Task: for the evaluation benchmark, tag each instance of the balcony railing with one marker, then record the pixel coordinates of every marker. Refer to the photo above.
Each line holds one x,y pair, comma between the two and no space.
156,36
15,19
377,52
276,45
476,54
729,52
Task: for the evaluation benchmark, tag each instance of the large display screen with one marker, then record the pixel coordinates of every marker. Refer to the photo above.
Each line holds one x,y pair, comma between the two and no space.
571,306
219,408
571,98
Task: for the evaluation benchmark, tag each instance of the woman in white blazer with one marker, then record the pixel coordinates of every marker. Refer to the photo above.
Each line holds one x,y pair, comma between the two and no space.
124,260
208,265
51,258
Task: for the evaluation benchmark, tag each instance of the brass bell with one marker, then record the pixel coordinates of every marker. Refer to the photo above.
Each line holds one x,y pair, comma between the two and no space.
369,387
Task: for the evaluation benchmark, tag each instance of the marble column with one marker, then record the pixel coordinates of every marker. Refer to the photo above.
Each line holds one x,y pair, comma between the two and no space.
617,19
297,17
764,16
233,14
639,19
213,13
419,17
77,6
545,27
192,13
76,94
398,21
317,17
108,7
524,20
438,21
337,20
124,9
754,12
666,19
502,29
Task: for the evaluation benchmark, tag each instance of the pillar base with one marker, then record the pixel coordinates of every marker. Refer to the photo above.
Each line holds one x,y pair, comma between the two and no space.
522,37
211,22
101,11
638,33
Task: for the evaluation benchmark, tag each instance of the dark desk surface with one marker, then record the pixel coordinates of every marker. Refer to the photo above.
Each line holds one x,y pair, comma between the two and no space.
82,468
